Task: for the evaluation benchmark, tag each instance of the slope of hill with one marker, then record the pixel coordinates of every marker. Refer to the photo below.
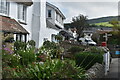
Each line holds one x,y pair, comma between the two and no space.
106,24
102,19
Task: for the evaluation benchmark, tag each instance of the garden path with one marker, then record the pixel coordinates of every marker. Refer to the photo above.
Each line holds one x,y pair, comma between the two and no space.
114,72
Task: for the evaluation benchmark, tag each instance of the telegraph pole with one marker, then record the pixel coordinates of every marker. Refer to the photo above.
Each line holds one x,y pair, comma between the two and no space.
106,36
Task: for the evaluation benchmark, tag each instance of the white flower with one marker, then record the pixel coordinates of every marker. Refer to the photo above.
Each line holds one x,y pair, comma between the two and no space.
41,62
14,55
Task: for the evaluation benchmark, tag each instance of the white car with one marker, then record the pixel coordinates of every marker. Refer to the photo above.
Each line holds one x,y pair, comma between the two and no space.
90,42
87,42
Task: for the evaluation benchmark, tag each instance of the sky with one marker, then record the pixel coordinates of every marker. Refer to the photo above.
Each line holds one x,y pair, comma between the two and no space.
92,9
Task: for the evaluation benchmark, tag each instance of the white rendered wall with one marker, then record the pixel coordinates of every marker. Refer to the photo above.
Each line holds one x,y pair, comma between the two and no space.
35,28
53,17
13,10
13,14
39,29
28,25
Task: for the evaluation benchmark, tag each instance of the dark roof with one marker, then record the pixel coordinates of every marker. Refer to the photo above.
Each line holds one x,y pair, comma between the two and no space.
11,25
26,2
66,33
50,25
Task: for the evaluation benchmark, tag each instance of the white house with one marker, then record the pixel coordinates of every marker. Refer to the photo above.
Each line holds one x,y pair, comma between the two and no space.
47,22
14,18
35,20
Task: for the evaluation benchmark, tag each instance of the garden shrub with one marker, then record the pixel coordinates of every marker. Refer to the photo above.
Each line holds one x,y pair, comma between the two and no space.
96,50
20,45
56,69
49,45
9,58
27,56
16,72
75,49
59,38
52,49
31,43
87,59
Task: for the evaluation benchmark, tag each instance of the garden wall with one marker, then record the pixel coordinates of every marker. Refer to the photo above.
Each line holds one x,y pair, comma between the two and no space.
96,71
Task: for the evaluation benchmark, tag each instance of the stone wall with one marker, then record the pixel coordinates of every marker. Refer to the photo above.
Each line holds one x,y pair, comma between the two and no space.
96,71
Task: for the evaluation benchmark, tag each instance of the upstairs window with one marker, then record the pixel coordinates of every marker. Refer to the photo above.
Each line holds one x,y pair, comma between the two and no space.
4,7
56,16
22,9
49,13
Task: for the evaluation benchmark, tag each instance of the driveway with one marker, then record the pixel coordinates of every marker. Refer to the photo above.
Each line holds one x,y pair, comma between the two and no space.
114,73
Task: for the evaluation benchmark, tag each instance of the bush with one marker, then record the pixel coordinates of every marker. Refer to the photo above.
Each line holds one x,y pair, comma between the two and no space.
9,58
96,50
75,49
49,45
87,59
20,45
31,43
59,38
56,69
52,49
27,56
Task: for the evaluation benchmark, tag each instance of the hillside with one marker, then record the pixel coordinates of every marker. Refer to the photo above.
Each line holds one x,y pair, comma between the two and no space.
106,24
102,19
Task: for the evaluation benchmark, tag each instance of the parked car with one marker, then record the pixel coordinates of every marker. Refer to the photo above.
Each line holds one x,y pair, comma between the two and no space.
86,41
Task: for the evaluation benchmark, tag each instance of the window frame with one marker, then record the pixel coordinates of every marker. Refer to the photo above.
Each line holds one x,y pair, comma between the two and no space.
4,8
49,13
22,12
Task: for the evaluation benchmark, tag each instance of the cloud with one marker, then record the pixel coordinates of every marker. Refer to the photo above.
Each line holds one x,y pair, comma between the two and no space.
83,0
90,9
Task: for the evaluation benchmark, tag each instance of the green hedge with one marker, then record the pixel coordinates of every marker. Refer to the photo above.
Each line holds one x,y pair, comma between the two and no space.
87,60
75,49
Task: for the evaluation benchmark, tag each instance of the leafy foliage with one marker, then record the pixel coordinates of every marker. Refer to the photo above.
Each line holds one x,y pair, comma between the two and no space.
20,45
86,59
75,49
95,50
115,39
52,49
59,38
80,23
27,56
56,69
31,43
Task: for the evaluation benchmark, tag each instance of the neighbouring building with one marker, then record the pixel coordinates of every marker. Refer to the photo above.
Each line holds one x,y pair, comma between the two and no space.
47,22
14,19
35,20
89,31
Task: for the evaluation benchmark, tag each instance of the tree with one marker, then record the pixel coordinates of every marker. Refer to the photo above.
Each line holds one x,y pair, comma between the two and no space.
116,24
116,33
80,23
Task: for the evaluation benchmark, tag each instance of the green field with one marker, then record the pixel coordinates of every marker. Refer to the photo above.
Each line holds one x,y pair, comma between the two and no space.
103,24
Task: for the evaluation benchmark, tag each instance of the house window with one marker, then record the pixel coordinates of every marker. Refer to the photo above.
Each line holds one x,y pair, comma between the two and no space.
4,7
45,39
22,9
50,13
56,16
53,37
